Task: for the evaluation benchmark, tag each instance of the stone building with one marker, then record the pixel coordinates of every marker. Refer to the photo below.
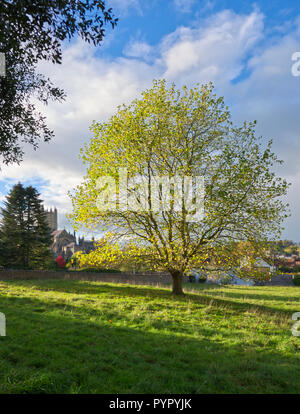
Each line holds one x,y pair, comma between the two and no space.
65,243
61,239
51,217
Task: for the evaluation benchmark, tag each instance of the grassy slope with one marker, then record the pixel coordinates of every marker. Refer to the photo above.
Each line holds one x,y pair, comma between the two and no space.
84,337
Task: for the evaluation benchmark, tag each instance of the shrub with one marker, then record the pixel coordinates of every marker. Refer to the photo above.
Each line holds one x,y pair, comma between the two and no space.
202,279
296,280
60,262
98,270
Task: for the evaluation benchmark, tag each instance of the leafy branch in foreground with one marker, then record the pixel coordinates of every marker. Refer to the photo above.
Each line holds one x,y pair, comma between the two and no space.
32,31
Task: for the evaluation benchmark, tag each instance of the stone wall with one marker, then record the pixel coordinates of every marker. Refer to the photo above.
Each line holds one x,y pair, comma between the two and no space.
137,278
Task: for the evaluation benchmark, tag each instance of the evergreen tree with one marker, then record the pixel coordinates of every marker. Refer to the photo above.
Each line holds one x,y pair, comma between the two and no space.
24,232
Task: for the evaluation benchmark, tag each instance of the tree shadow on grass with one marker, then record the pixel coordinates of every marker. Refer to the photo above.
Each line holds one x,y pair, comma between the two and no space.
53,350
251,291
269,297
143,291
249,295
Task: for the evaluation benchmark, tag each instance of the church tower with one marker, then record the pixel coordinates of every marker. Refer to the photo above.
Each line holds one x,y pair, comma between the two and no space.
52,219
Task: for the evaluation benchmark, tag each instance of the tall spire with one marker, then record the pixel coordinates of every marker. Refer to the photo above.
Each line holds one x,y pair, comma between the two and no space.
51,215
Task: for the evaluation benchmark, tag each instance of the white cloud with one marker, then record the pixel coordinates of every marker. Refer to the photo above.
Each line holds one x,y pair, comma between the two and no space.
184,6
123,7
216,50
138,49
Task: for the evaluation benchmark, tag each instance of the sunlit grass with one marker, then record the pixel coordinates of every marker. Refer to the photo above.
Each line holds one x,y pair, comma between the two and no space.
88,337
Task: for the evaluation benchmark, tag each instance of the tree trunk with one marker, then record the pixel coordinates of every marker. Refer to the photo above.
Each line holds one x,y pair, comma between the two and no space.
177,282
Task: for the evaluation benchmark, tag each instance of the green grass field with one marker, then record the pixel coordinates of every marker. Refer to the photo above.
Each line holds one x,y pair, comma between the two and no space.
87,337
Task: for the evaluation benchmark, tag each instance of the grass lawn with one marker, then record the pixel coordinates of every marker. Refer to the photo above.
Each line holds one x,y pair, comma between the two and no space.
88,337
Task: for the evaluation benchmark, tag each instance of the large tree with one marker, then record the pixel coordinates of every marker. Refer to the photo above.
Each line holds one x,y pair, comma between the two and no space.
31,31
179,133
24,232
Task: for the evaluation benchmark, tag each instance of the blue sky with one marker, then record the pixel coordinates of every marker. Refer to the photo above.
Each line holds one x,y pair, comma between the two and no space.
244,48
151,20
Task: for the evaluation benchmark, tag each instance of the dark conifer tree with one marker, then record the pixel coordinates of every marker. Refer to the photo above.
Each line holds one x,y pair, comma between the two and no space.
24,232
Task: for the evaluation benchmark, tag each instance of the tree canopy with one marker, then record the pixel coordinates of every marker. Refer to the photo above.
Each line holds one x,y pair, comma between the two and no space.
31,31
24,232
179,133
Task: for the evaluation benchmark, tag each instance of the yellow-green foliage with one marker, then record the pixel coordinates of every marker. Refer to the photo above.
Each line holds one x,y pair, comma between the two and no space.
187,132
